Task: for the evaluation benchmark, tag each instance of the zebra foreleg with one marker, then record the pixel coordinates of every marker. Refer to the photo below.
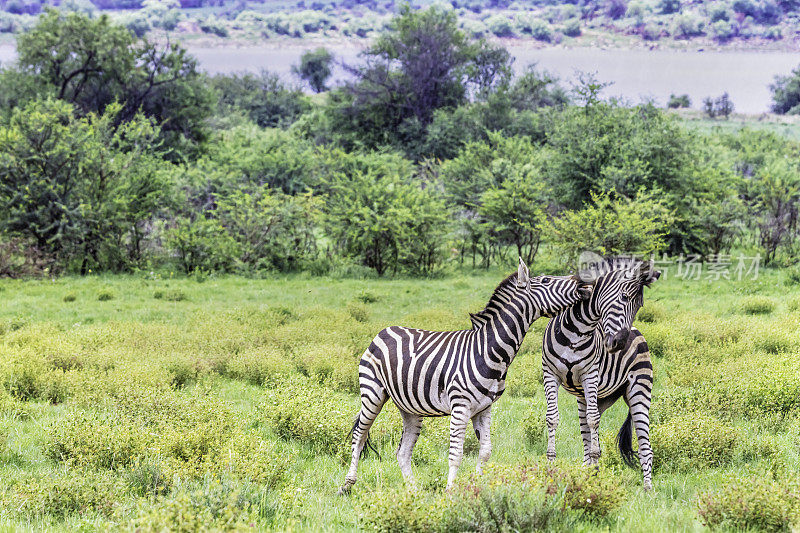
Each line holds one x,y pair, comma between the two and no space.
482,423
412,425
551,395
592,416
372,400
459,418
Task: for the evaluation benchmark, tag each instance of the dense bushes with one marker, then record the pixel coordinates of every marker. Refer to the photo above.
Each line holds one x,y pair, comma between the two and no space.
525,497
751,503
692,441
477,169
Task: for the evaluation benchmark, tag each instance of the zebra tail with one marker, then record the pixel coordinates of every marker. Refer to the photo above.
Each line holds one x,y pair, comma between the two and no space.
625,443
367,445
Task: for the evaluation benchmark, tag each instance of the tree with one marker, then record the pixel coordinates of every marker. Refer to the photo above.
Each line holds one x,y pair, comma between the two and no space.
421,64
515,211
315,68
786,93
264,97
81,189
92,63
679,101
775,193
723,107
384,220
274,231
611,225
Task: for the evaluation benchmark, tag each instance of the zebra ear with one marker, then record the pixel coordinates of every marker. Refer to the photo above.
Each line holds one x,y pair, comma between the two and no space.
523,274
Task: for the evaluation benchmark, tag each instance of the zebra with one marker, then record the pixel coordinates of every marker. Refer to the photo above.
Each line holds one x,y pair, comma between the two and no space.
592,351
456,373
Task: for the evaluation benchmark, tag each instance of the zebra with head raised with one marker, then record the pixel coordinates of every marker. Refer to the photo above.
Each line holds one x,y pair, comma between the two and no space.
592,350
456,373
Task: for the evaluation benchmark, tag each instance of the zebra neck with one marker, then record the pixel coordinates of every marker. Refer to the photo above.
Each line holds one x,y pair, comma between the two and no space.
582,318
504,332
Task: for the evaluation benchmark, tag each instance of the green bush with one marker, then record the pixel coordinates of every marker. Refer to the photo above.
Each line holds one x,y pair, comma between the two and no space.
94,441
692,441
70,297
105,295
61,494
310,414
257,366
758,305
572,28
611,226
215,507
534,427
752,503
201,244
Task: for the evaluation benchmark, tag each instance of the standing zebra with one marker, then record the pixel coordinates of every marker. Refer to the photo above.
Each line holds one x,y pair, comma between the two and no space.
593,352
456,373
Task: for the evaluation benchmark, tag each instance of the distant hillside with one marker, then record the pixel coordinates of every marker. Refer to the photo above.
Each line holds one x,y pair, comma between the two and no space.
736,23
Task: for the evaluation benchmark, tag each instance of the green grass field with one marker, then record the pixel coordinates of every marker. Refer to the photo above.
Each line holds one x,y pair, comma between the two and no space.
157,403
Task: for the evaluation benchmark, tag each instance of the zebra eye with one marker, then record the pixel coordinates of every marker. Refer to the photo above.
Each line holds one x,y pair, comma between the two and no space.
625,297
546,280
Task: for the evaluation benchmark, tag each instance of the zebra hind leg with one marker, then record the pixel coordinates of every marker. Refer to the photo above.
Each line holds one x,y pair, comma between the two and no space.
372,399
585,434
551,395
412,425
638,397
482,423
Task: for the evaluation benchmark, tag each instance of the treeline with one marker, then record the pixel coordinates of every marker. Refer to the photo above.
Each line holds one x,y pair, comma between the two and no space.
433,155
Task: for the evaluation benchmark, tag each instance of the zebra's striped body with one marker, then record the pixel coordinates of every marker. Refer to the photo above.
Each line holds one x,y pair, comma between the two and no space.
456,373
593,352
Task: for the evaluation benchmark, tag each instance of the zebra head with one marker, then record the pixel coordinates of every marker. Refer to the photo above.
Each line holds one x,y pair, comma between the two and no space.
618,296
549,295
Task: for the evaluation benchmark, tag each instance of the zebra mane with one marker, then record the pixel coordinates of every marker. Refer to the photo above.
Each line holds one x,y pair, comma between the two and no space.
482,317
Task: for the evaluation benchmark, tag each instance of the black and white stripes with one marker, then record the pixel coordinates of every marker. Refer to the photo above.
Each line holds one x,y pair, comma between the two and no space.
456,373
593,352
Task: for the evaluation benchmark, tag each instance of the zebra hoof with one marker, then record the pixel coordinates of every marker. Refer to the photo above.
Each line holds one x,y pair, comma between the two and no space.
344,490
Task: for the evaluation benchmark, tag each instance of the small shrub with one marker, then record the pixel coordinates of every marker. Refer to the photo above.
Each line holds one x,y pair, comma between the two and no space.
692,441
758,305
792,276
358,311
260,366
182,373
525,375
572,28
105,295
146,478
310,414
534,427
158,295
541,31
175,296
755,503
679,101
62,494
367,297
500,25
94,441
70,297
216,507
721,30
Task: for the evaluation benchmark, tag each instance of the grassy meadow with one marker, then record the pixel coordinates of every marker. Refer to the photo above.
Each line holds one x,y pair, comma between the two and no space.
172,404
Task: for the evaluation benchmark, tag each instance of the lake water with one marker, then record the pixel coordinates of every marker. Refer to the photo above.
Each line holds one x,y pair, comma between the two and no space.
636,74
